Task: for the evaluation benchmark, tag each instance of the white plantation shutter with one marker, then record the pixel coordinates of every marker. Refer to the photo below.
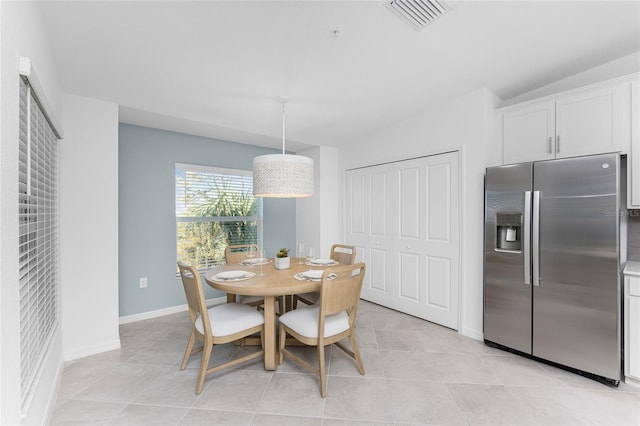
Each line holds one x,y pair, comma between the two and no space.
198,190
38,238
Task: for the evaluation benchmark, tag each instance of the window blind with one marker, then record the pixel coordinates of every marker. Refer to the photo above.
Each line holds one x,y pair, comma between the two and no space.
215,207
37,240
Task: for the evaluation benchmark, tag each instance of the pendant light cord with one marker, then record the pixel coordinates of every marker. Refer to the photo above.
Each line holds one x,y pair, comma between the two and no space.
283,126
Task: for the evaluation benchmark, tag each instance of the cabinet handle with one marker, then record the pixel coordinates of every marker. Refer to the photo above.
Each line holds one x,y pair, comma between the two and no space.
549,146
557,144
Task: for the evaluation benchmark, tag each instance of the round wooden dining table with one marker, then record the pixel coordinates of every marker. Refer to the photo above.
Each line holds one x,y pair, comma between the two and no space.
273,283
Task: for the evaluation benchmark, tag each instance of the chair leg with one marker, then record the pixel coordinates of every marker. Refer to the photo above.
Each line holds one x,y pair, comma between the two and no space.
204,364
187,353
356,353
323,377
283,339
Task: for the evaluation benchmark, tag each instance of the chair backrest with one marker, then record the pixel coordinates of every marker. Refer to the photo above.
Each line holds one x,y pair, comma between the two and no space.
195,296
343,254
341,293
235,254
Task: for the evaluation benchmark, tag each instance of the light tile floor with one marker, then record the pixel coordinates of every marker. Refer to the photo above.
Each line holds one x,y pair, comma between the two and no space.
416,373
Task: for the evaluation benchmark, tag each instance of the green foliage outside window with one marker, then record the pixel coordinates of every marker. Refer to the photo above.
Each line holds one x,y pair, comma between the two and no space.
213,210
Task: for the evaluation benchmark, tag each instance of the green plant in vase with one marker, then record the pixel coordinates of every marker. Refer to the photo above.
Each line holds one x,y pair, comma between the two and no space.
282,260
284,252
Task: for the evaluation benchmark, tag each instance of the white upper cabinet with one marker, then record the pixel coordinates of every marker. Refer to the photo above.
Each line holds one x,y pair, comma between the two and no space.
529,132
588,121
633,164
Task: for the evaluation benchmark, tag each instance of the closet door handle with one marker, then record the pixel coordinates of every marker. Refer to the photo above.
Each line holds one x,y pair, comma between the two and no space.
549,146
557,144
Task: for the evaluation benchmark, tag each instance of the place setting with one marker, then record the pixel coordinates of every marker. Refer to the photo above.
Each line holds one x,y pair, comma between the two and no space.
256,258
321,262
258,261
233,276
312,275
313,261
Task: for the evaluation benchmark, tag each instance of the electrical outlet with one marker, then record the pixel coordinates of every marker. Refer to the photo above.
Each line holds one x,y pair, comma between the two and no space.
143,282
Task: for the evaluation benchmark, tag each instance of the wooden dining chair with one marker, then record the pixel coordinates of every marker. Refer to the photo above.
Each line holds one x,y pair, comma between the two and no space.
329,321
234,254
341,253
215,326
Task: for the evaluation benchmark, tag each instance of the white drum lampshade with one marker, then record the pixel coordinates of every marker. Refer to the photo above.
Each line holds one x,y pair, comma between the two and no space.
282,175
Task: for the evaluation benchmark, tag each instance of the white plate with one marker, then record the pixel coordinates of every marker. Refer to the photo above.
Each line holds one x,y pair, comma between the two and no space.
323,261
314,275
256,261
231,275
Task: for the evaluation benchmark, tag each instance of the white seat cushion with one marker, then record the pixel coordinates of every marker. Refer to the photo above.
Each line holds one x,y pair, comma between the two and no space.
304,321
231,318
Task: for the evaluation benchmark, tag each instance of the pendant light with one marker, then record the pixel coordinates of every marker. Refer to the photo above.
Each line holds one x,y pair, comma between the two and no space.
282,175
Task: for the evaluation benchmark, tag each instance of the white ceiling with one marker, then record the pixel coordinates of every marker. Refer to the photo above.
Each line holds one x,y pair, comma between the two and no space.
215,68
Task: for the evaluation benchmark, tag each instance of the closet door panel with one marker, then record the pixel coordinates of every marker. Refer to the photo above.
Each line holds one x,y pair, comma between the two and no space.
405,217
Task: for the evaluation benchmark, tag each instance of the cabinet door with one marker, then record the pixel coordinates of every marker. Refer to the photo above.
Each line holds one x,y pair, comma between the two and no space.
590,122
529,132
633,165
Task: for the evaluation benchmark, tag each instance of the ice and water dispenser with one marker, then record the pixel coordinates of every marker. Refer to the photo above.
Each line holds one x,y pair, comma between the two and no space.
509,231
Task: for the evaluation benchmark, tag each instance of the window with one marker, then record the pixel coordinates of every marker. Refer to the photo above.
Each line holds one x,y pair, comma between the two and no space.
214,208
37,243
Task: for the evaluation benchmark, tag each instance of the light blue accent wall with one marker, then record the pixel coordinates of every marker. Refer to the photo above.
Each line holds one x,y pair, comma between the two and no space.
147,226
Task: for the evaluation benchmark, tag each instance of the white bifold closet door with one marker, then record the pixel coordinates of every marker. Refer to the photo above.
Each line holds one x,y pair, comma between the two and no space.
403,217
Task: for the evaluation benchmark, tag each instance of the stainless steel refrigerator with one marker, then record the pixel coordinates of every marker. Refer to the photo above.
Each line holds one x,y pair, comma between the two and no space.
553,261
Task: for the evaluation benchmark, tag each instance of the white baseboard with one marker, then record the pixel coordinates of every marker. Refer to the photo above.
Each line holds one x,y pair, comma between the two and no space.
167,311
54,394
92,350
474,334
115,344
632,381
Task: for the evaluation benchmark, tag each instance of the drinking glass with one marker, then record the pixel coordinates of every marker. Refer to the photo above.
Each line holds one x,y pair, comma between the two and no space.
310,256
300,253
263,256
251,253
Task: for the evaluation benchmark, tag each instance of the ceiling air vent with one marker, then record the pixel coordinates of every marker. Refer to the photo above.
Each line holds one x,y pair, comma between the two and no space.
418,13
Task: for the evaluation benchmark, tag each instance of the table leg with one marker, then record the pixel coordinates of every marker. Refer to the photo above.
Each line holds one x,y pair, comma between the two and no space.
289,303
270,333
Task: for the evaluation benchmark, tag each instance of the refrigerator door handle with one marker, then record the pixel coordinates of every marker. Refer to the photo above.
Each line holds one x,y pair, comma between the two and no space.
535,223
527,237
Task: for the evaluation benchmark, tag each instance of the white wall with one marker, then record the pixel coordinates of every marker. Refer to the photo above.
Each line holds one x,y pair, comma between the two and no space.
318,217
21,34
88,215
464,123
